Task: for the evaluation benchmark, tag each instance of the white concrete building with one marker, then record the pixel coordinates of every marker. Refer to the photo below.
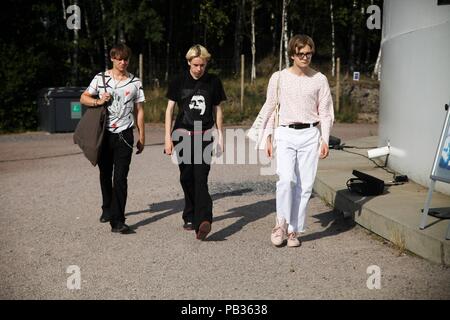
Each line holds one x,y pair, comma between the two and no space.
415,84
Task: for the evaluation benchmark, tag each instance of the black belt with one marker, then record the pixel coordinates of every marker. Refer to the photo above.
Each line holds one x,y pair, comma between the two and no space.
302,125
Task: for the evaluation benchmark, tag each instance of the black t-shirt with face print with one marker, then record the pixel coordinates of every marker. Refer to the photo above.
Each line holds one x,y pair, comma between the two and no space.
195,99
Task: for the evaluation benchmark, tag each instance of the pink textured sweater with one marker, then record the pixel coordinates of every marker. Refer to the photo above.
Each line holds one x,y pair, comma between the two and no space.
303,99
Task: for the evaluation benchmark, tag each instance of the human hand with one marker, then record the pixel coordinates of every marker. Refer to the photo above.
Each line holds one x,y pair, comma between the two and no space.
168,146
324,150
219,145
140,146
269,147
106,97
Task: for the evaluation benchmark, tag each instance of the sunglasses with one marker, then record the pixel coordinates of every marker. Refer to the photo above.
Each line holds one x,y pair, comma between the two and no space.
302,55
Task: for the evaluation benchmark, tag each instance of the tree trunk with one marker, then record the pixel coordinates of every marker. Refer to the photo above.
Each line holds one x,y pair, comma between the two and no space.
273,29
64,10
169,40
285,33
283,14
238,37
88,33
333,45
66,36
352,39
366,60
361,42
121,34
253,73
149,64
75,53
377,69
105,42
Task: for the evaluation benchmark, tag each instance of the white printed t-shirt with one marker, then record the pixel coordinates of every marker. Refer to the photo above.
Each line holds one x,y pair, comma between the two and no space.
124,94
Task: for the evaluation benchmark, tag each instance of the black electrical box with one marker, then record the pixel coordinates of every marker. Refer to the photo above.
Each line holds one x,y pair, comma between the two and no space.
60,108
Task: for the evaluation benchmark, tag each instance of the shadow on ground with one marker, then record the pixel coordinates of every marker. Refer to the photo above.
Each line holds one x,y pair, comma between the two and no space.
167,208
332,222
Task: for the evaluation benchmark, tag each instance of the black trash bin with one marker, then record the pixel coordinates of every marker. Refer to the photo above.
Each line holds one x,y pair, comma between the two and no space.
60,108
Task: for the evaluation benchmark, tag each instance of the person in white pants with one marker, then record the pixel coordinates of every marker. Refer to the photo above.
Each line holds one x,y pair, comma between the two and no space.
305,101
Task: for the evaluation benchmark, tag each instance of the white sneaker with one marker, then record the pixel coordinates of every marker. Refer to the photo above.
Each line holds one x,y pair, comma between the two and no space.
293,240
278,235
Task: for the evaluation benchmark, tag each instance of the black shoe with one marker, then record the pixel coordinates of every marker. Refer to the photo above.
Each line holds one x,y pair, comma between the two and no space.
188,226
121,228
105,218
203,230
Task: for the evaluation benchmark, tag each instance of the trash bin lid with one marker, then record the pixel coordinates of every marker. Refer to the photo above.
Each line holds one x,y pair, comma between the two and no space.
63,92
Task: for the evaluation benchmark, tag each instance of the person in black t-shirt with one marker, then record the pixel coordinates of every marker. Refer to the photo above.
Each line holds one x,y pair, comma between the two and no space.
198,95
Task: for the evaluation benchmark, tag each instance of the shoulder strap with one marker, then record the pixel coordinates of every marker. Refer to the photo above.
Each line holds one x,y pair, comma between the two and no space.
278,86
104,81
277,104
104,88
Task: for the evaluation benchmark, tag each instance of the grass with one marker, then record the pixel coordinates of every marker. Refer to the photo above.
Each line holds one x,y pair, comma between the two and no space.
348,111
255,96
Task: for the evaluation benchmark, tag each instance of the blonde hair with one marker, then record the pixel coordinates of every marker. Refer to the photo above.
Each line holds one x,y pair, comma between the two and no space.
198,51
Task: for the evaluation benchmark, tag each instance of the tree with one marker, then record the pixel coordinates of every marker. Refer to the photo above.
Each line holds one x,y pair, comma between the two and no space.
284,35
253,73
238,34
214,21
47,54
333,46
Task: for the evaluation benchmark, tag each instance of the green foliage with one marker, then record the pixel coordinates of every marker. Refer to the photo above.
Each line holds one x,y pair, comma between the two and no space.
18,108
349,110
155,105
214,20
38,50
150,22
25,47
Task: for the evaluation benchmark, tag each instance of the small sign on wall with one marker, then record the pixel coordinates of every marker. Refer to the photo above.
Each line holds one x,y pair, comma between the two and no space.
75,110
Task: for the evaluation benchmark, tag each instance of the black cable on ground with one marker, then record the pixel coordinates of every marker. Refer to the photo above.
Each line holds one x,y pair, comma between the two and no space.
342,146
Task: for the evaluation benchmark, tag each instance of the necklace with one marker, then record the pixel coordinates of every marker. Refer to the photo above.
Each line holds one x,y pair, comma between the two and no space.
116,83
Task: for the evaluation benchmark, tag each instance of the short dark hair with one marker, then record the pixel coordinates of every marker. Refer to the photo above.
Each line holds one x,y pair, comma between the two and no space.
299,41
120,51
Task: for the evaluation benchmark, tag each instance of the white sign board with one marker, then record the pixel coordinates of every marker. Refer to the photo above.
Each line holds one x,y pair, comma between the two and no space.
441,165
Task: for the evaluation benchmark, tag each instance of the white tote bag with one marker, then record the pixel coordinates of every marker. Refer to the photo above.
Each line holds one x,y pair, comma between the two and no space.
257,129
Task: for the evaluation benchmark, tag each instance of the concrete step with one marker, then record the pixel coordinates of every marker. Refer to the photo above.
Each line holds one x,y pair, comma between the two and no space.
395,215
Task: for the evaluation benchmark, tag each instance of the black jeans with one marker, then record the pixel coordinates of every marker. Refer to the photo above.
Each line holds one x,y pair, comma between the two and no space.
194,180
115,158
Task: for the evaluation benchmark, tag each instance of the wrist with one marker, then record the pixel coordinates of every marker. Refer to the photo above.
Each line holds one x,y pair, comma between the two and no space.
95,102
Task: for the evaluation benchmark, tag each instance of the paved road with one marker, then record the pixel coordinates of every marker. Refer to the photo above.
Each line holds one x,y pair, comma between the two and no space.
50,198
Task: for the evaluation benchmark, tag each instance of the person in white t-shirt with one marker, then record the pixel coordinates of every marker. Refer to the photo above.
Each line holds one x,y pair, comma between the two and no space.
305,101
123,95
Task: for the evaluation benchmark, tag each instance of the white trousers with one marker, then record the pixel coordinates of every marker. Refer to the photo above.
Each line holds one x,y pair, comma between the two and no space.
297,157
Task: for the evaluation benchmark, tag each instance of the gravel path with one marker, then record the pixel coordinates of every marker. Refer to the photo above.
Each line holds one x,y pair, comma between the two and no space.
50,198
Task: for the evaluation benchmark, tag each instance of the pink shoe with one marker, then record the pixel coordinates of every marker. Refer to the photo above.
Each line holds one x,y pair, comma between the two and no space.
293,240
278,235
